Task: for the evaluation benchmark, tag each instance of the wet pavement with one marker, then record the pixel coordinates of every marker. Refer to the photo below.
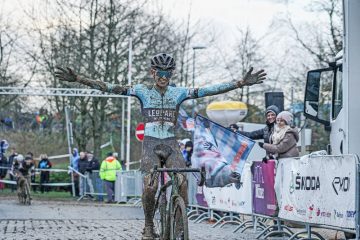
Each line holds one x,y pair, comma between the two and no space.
91,220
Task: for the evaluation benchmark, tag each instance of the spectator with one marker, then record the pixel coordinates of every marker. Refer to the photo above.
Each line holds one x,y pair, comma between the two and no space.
44,164
283,141
29,158
3,169
93,164
11,162
75,165
3,162
75,159
108,174
234,127
187,152
265,133
82,166
2,175
122,162
182,143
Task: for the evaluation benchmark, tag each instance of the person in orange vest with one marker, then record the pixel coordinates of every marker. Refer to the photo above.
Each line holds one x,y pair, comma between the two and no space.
107,173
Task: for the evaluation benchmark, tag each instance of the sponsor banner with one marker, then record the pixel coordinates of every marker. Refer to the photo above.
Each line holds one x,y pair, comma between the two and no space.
229,198
317,189
200,197
263,180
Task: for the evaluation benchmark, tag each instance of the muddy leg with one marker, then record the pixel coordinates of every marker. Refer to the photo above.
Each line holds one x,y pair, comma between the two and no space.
183,185
148,201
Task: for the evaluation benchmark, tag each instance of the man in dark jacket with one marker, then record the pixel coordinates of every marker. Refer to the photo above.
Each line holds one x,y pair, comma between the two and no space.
93,164
82,166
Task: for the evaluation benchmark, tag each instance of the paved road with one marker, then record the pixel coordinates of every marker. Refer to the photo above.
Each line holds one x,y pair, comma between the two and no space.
90,220
64,220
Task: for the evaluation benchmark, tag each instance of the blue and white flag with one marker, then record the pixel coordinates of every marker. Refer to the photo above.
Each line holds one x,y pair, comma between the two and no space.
186,123
220,151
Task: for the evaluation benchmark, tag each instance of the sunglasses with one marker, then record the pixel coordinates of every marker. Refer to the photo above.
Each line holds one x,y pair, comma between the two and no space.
163,74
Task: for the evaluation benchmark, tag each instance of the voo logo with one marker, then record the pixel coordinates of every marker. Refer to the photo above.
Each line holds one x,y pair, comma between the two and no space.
341,184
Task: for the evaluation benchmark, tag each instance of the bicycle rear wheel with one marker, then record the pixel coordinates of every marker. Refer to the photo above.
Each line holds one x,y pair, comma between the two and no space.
161,228
179,223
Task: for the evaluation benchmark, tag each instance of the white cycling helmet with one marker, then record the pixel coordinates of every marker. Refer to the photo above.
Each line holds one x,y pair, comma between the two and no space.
20,158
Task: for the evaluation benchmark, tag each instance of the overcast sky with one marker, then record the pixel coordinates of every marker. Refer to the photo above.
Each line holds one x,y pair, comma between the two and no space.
228,15
225,16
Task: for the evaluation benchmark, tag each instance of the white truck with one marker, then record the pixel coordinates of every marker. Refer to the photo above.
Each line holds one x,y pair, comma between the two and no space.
332,95
338,87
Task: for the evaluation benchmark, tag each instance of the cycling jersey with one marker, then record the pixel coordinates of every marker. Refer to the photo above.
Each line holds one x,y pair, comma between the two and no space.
160,110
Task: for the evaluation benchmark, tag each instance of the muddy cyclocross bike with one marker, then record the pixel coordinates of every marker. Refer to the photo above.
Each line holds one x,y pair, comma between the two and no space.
170,214
23,188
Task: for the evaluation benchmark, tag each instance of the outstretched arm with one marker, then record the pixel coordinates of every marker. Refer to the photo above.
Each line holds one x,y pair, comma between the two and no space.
248,80
68,75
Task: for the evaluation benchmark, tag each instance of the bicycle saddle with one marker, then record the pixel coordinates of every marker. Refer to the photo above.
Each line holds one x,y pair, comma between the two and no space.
163,151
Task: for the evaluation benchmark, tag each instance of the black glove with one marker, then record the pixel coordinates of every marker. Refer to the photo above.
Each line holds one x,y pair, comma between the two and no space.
265,159
261,144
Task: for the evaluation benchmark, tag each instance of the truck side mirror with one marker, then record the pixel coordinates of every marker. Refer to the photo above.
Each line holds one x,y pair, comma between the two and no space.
318,93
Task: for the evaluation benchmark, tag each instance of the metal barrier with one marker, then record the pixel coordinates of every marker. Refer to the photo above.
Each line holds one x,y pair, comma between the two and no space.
128,187
90,185
37,171
333,184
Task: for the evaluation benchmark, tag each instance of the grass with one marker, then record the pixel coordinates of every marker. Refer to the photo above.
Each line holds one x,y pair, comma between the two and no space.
52,195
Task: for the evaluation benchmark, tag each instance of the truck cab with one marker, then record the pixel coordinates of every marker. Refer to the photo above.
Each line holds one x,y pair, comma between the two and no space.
324,102
332,95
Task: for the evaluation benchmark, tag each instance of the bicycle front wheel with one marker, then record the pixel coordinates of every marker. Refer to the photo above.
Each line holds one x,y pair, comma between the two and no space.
179,222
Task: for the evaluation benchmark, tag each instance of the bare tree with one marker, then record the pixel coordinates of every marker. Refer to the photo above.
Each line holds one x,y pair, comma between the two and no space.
93,38
313,45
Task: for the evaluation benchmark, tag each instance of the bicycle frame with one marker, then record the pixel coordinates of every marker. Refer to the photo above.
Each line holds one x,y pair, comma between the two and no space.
166,208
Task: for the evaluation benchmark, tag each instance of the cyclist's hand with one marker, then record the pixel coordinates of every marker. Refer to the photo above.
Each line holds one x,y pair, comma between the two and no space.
67,74
253,78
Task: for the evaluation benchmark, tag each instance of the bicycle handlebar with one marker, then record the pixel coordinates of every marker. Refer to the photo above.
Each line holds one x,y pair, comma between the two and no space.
180,170
176,170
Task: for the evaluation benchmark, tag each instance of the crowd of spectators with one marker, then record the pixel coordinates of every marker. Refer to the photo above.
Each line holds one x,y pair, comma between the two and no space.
87,172
26,165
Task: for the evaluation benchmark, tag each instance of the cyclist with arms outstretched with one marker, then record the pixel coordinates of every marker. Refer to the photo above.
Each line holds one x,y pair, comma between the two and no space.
160,104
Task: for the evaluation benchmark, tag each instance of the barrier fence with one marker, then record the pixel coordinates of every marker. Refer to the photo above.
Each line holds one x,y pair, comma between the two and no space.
312,191
49,183
89,185
128,186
